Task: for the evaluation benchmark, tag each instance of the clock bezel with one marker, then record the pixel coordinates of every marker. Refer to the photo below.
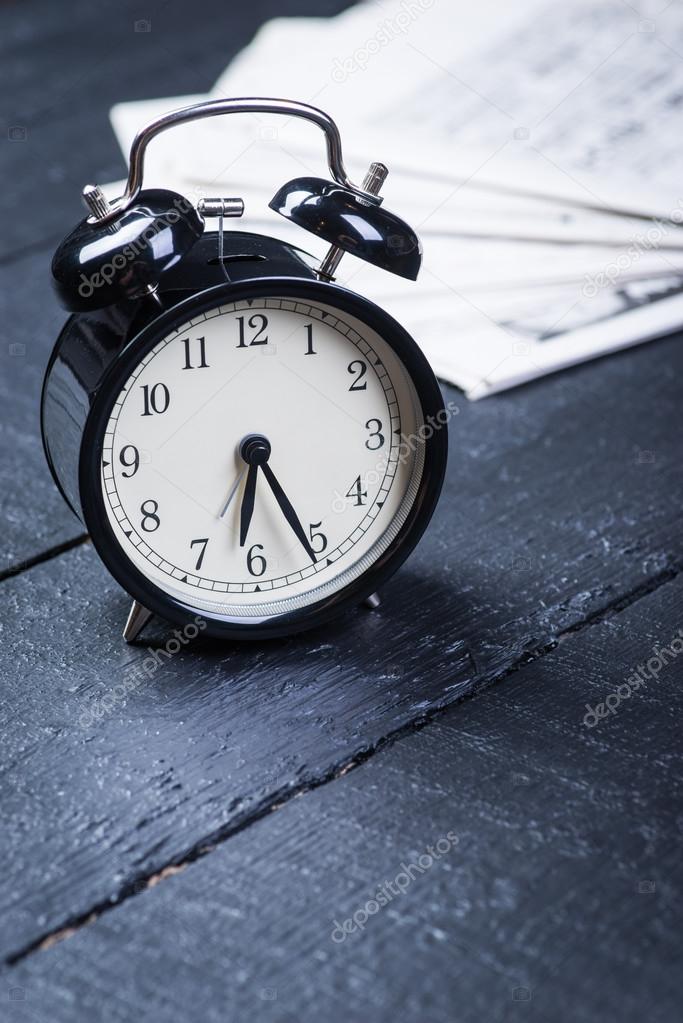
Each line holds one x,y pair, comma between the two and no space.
180,612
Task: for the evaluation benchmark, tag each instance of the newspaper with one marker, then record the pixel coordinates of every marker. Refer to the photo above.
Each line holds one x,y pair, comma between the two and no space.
537,160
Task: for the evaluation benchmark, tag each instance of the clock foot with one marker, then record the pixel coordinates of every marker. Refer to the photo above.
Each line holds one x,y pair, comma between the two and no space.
373,601
138,617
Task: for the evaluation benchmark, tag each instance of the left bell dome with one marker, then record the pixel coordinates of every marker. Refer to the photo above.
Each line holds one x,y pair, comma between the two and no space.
101,263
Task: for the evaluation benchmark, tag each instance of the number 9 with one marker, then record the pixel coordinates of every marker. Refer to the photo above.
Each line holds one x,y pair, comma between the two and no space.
128,461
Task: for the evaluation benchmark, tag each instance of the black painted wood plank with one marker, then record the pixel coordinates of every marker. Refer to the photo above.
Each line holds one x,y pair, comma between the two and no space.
552,892
34,515
62,70
549,517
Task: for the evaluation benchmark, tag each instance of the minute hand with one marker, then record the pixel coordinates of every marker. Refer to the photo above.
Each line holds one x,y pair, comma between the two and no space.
287,510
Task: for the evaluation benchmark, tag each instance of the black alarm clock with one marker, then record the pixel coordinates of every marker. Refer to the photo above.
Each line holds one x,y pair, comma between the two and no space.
245,440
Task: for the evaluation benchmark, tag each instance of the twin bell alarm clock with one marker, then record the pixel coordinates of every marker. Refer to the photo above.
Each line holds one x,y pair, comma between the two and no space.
244,440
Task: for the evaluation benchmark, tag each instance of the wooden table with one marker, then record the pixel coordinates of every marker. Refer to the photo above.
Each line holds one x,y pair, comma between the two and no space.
247,835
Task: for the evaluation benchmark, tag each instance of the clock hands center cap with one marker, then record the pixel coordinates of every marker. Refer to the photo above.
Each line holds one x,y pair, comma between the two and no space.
255,449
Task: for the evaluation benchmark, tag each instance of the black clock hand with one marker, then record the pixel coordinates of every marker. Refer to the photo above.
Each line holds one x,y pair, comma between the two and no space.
247,509
287,510
255,450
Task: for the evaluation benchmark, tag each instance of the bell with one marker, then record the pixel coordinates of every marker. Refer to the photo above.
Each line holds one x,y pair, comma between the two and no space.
106,259
351,223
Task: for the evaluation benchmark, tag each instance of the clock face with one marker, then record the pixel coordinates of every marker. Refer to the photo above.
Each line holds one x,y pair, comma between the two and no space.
262,457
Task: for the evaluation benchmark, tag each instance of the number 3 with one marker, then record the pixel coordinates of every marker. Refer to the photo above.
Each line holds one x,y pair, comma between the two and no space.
375,434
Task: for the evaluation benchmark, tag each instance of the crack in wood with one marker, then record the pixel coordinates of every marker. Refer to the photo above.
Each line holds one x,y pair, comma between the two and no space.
46,555
280,799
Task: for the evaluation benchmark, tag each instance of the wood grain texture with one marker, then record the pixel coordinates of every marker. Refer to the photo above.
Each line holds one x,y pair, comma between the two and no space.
34,515
547,519
558,901
65,70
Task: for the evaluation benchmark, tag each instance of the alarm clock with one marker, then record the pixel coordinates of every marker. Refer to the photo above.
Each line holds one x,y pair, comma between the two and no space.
248,444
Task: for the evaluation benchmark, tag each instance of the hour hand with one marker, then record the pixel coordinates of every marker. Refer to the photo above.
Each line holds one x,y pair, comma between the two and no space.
255,450
288,510
247,509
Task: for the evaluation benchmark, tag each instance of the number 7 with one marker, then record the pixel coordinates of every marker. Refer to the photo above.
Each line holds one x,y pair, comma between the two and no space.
203,540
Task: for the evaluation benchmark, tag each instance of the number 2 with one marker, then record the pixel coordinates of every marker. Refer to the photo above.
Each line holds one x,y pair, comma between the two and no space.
359,367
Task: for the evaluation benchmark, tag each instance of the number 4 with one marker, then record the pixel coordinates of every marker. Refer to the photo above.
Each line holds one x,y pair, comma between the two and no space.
356,491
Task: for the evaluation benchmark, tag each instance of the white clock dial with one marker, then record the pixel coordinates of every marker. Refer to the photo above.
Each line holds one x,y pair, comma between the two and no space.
342,420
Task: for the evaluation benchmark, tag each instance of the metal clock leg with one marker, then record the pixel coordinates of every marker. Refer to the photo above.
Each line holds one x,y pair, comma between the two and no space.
138,617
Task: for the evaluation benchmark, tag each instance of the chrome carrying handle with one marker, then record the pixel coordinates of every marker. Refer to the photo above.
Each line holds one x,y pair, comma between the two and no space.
102,210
